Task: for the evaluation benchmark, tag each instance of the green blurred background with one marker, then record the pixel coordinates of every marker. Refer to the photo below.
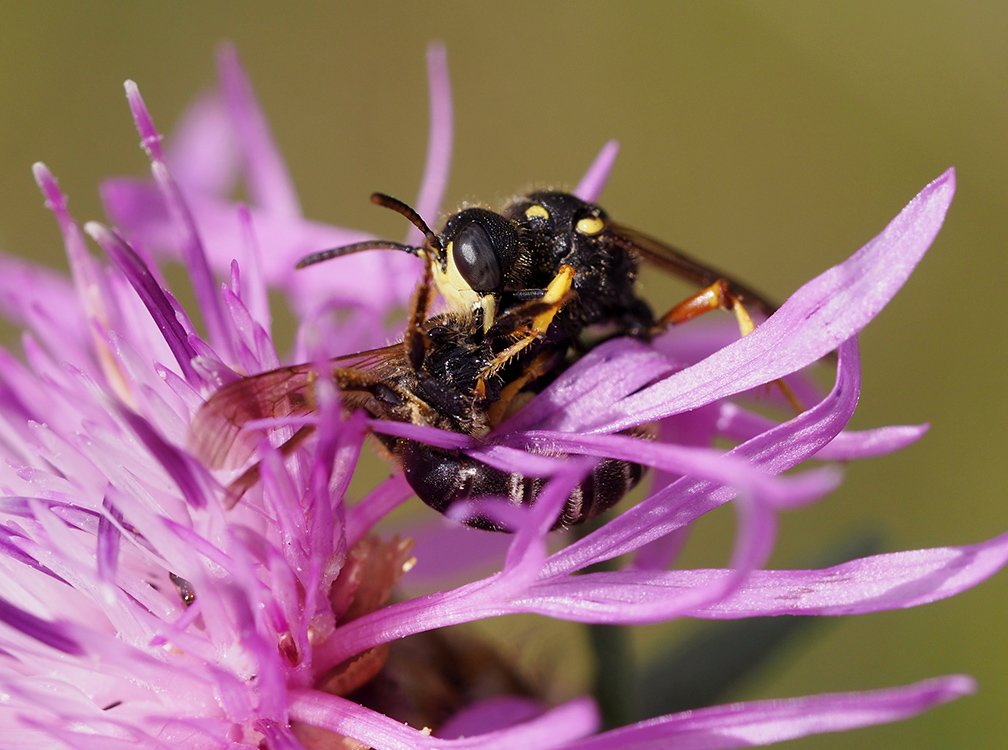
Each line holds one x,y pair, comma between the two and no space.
772,138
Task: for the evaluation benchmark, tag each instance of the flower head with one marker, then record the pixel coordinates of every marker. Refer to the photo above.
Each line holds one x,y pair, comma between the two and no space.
140,604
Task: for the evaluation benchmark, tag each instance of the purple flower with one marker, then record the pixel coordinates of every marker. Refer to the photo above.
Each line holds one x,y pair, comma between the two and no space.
138,608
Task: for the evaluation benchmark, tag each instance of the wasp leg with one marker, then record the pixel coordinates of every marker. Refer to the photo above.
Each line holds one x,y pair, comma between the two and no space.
719,296
557,294
536,368
520,316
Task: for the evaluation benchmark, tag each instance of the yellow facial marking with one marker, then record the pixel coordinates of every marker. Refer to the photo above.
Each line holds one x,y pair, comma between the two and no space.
456,290
590,225
536,212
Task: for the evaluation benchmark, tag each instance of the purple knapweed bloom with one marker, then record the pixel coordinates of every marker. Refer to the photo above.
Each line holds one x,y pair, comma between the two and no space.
138,609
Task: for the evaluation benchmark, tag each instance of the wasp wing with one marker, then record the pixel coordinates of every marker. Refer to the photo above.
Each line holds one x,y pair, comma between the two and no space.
680,264
218,434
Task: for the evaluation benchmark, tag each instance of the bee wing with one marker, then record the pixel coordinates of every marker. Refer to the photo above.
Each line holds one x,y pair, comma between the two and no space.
217,435
680,264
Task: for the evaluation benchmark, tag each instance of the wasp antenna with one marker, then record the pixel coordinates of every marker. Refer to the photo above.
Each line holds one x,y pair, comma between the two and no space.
387,201
356,247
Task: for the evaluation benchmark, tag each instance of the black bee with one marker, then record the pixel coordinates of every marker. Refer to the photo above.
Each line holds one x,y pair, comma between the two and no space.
528,291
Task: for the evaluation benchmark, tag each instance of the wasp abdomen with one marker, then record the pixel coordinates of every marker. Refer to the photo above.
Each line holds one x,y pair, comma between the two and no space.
441,478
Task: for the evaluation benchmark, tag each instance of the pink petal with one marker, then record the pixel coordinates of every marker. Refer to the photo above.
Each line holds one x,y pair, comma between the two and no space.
195,259
552,729
605,375
202,153
882,582
49,633
767,722
439,141
138,208
594,180
490,715
150,138
678,505
872,584
152,294
708,463
268,180
737,423
378,503
811,323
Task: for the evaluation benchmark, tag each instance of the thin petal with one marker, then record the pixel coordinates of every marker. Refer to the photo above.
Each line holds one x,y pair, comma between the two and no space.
152,295
423,434
378,503
737,423
696,428
528,549
43,631
268,179
552,729
679,504
819,316
607,374
708,463
439,141
137,207
594,180
150,138
767,722
202,153
255,291
195,259
92,292
107,543
179,466
489,715
871,584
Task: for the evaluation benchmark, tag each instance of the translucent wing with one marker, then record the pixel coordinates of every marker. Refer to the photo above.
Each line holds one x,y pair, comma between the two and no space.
676,262
217,435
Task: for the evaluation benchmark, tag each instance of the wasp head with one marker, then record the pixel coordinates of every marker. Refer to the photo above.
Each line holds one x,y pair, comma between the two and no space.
479,250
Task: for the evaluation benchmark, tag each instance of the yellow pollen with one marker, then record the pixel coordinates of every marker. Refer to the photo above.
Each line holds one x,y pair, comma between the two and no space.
590,225
536,212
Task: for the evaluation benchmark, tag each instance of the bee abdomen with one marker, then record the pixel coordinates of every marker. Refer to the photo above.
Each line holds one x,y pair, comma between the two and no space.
441,478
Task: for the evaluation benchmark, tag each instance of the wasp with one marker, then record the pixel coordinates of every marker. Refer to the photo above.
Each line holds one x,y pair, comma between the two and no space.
527,291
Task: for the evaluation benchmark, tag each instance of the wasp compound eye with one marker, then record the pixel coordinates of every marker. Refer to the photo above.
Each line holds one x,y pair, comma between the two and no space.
476,258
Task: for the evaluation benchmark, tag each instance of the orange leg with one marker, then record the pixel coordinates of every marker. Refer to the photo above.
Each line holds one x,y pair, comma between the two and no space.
718,296
537,367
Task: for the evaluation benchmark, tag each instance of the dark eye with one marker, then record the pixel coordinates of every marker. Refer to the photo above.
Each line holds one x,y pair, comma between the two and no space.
476,258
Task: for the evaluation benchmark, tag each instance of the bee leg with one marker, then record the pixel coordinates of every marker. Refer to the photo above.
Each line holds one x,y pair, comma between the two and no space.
719,296
414,339
557,294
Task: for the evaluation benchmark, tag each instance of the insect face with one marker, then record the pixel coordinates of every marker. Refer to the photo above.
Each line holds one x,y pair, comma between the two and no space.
478,254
